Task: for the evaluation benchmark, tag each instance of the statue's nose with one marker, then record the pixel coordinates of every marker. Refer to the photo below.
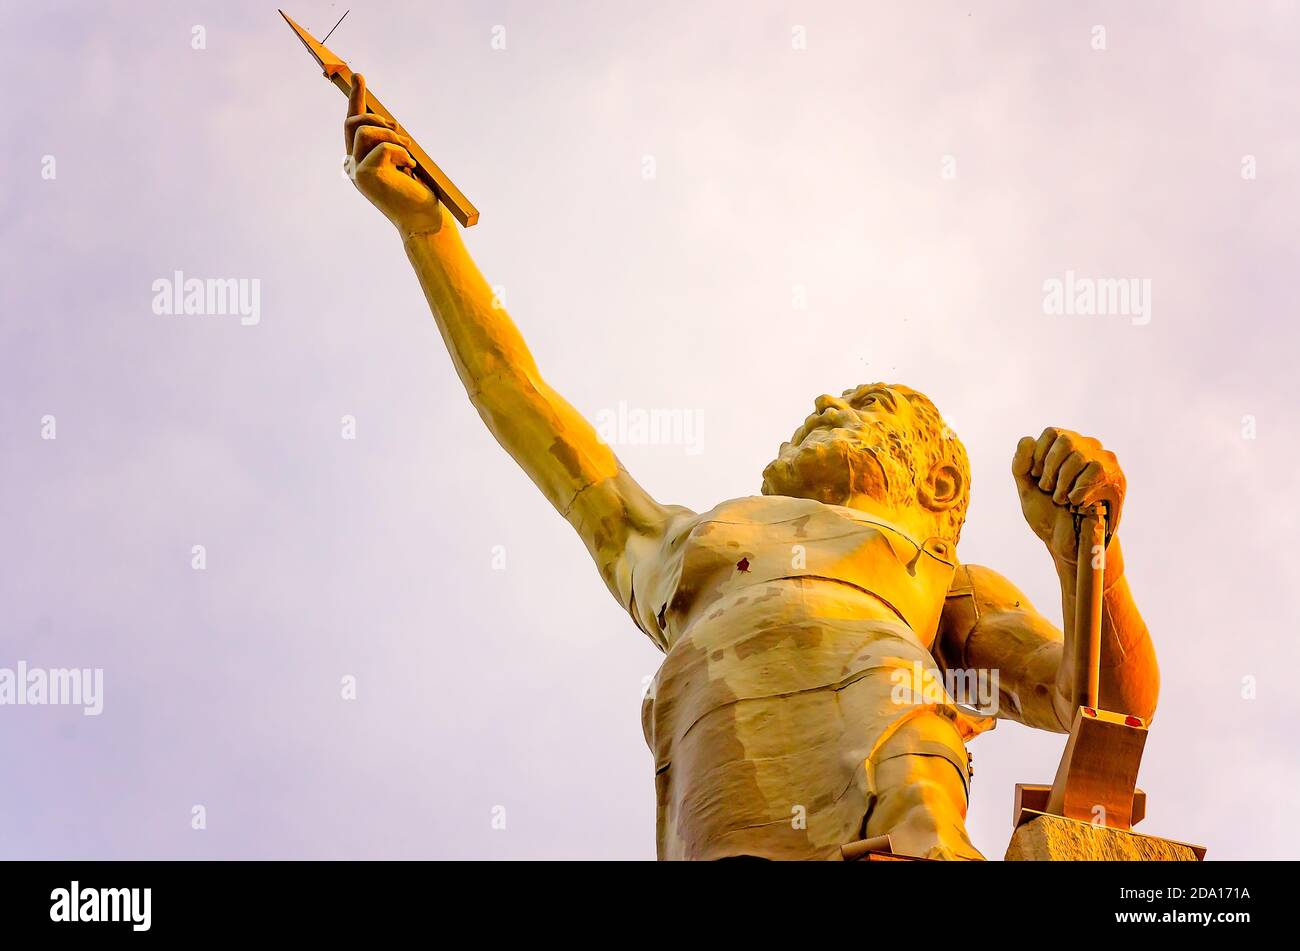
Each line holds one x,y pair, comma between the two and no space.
826,401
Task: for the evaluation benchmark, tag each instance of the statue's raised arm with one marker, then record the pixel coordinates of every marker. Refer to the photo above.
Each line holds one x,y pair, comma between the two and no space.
561,452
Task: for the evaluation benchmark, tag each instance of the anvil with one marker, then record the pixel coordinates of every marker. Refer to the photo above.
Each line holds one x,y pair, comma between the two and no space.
426,170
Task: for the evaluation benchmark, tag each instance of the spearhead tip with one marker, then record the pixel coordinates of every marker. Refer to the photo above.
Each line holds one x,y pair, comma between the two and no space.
319,51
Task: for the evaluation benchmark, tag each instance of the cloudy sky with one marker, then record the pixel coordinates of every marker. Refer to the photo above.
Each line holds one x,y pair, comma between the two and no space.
724,209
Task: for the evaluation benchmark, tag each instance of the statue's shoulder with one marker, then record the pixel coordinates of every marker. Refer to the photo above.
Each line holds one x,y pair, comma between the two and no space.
776,509
738,520
763,510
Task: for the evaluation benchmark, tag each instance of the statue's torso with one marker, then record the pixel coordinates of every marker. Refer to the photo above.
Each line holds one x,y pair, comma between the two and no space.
767,608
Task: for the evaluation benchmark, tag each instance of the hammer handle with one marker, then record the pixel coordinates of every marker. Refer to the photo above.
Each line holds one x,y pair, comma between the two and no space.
1090,582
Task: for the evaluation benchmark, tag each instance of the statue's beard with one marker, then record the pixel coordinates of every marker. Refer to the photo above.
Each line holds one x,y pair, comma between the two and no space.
834,465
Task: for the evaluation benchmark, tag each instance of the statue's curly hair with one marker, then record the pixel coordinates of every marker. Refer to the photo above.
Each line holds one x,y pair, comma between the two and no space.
932,443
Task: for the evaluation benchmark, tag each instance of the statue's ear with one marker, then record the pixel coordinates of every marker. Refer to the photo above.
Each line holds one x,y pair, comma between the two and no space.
942,488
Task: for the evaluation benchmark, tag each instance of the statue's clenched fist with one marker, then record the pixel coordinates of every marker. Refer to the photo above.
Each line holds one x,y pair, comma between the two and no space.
1058,470
380,166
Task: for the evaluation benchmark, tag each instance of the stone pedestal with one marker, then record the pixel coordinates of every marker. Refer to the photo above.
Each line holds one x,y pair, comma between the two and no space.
1054,839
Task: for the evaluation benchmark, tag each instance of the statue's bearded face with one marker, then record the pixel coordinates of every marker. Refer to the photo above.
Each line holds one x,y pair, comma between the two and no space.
858,444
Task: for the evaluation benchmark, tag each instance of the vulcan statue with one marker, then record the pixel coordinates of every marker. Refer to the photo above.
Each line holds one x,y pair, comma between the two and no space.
787,720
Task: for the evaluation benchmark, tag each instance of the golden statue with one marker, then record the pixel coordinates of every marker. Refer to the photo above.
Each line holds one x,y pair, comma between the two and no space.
787,720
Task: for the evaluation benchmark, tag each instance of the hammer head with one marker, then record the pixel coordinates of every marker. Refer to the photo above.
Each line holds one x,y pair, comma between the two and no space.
1097,779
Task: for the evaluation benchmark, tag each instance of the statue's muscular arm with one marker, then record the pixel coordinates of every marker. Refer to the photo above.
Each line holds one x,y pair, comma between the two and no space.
988,624
559,450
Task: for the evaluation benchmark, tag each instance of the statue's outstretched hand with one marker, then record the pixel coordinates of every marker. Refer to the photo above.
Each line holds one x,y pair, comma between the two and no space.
380,166
1060,469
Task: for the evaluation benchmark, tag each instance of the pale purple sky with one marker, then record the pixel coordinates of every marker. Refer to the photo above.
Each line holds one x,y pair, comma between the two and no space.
819,168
